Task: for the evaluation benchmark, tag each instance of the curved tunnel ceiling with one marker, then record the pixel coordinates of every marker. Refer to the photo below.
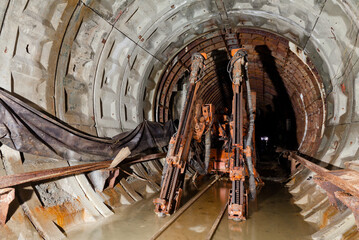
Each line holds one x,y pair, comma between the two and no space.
103,74
104,66
272,62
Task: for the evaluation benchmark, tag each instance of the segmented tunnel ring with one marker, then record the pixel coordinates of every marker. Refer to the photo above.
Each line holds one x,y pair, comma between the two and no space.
301,80
99,67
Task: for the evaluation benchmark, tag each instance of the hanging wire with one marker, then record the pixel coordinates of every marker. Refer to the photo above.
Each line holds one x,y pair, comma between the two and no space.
201,70
237,56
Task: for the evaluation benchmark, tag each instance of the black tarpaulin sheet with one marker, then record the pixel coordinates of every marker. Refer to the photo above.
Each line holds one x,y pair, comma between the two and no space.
28,130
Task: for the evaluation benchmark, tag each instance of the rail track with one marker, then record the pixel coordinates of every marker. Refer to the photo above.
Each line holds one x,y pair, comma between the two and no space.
215,194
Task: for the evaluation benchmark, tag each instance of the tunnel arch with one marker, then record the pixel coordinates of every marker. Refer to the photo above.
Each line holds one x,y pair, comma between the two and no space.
98,65
299,76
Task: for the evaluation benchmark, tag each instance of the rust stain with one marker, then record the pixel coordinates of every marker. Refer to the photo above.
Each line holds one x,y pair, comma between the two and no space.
118,16
19,218
328,214
114,197
64,215
352,233
343,87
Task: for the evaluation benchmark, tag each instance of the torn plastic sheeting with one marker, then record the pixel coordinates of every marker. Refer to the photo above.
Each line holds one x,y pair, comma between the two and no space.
28,130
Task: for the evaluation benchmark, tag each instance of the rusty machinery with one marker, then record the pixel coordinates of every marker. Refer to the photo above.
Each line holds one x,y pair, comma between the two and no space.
195,118
237,132
233,158
240,157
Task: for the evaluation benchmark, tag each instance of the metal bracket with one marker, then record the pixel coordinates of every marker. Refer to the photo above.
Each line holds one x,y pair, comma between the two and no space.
293,166
112,178
7,195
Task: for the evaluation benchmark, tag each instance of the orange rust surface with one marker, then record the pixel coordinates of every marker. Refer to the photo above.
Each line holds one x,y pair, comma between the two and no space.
219,160
220,155
64,215
113,197
351,234
329,213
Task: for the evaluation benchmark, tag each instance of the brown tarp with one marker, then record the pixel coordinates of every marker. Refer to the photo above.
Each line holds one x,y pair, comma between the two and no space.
28,130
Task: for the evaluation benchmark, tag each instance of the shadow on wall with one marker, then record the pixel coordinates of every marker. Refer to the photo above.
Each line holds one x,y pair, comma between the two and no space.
221,60
277,124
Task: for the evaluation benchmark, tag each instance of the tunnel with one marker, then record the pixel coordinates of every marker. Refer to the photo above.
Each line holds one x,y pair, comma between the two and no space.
103,67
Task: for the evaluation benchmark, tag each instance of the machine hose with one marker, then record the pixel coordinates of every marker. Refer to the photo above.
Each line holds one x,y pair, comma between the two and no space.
248,142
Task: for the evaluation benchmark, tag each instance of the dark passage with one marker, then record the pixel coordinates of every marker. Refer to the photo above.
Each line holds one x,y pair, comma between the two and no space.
275,125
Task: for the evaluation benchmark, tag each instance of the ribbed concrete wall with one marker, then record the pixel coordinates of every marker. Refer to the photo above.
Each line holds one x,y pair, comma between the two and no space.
96,65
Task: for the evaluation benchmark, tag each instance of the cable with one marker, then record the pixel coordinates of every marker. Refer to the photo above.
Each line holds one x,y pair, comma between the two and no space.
237,56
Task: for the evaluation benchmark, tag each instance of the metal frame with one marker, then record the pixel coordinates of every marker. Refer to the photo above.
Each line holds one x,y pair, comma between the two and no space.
177,156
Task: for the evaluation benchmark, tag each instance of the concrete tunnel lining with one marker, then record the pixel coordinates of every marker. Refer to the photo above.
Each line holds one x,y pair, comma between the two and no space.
97,65
300,78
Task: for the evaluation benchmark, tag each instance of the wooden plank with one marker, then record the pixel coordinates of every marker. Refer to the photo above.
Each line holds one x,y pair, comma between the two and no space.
93,196
130,190
125,197
183,209
140,170
121,155
91,213
216,222
157,166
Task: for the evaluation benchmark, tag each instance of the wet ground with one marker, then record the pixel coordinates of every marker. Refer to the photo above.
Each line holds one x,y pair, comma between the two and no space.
271,216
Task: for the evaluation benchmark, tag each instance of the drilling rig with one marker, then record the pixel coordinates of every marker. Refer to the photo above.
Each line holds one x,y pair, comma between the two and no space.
240,158
233,158
192,124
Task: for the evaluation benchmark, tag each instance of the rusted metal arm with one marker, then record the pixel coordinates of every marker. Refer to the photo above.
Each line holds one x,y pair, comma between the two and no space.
342,186
238,195
36,176
347,179
7,194
171,189
248,143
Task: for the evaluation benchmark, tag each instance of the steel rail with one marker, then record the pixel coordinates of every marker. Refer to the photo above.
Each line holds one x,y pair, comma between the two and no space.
216,222
183,209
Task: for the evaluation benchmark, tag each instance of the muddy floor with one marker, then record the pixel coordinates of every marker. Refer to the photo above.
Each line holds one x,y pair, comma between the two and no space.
271,216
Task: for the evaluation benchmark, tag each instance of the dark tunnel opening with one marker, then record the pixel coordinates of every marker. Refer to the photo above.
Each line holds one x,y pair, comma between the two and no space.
276,121
277,76
220,58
